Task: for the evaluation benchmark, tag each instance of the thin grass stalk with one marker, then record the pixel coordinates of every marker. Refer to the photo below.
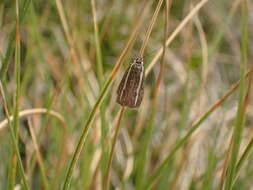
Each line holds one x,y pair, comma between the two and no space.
35,111
245,153
107,21
148,135
179,171
115,137
183,140
14,141
99,67
150,27
97,44
185,21
243,158
15,123
221,32
225,165
78,71
10,49
107,84
39,157
73,51
104,145
67,31
249,147
204,70
1,56
17,73
176,32
240,118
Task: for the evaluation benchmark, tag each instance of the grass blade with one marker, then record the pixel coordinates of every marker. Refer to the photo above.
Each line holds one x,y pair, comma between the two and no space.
15,124
13,138
97,44
10,48
249,147
116,134
240,118
142,158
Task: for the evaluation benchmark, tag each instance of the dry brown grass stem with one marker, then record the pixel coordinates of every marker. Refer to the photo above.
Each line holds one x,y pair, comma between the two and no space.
176,32
114,140
35,111
225,165
79,70
166,32
38,155
149,30
66,30
228,93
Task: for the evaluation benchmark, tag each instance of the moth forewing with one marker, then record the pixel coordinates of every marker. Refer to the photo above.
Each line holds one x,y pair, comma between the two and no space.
140,90
130,91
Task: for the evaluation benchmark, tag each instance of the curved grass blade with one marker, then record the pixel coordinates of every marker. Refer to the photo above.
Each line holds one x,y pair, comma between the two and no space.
240,118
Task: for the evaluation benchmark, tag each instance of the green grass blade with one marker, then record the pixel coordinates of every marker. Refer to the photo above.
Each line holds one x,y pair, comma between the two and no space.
142,158
11,45
240,118
15,124
83,137
97,44
14,140
242,160
100,74
20,165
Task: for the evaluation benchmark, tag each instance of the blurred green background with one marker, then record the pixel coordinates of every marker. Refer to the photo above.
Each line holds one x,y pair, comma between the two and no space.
61,67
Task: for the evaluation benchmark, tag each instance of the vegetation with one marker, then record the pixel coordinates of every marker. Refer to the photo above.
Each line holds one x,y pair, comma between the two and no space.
61,63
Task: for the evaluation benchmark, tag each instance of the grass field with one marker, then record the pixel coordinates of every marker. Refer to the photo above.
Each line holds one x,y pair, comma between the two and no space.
61,63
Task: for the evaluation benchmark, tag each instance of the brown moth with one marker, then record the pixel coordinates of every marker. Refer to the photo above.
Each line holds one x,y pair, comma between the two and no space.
130,91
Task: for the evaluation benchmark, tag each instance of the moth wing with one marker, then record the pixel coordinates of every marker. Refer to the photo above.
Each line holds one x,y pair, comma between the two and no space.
122,82
135,84
123,89
141,92
130,91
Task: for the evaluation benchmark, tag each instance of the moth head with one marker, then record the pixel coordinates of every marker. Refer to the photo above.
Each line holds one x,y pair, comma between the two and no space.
138,60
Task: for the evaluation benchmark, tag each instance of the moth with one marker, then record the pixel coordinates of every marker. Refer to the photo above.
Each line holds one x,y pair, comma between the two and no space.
130,90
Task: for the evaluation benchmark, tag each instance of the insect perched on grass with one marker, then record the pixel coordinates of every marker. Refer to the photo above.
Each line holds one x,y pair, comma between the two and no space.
130,91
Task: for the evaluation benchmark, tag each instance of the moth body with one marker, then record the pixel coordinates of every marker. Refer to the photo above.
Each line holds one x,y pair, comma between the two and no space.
130,91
